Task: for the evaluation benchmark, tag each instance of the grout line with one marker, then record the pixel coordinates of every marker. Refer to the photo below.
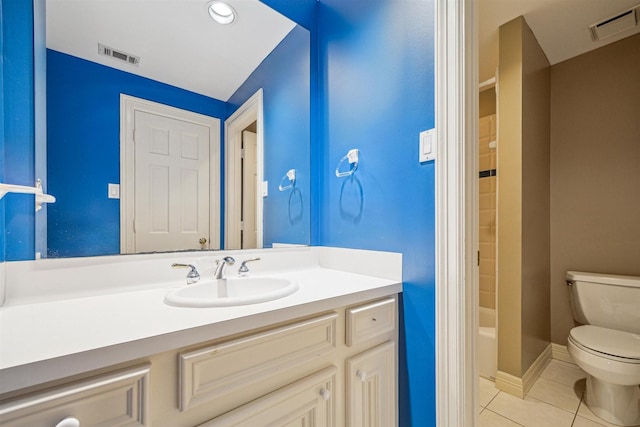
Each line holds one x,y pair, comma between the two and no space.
491,400
551,404
506,418
558,382
575,416
562,384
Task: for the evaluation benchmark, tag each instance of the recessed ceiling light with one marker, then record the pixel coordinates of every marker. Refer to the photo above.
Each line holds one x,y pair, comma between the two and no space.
221,12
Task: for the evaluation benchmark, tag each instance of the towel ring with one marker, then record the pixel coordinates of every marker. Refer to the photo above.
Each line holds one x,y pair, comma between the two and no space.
352,157
288,181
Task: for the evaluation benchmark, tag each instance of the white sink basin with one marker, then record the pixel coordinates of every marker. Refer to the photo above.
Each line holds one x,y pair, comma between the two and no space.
230,292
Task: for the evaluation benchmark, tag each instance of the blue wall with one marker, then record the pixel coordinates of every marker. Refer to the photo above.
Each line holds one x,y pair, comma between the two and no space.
83,148
287,135
18,127
2,42
377,94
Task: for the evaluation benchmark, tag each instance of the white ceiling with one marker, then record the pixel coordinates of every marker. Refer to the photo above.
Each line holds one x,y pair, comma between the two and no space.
560,26
180,45
177,41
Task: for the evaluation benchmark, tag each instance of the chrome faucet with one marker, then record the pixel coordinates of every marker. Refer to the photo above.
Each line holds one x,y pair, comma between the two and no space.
244,270
192,276
220,263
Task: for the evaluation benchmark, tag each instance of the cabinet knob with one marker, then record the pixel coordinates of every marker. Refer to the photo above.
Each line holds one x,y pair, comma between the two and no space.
69,422
325,394
362,375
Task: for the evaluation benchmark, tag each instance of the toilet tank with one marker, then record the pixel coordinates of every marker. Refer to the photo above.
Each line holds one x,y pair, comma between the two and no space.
607,300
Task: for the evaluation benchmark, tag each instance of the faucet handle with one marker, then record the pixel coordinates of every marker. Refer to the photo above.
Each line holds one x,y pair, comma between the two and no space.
243,270
192,276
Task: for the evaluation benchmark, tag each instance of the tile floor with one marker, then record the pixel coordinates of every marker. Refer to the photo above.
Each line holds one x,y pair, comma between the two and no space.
555,400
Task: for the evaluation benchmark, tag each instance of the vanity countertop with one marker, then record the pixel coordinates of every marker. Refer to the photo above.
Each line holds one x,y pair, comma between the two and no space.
44,340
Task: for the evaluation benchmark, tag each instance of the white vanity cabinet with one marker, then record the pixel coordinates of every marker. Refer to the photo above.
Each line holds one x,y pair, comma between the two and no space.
358,386
115,399
336,367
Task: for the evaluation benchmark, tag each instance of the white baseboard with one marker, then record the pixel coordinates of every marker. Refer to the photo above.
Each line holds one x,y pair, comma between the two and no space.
519,387
560,352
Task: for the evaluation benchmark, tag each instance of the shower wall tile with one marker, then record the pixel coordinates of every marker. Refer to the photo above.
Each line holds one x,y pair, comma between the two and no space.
487,213
487,299
489,250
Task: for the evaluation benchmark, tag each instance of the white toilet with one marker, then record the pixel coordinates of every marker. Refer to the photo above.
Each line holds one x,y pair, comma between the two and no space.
607,345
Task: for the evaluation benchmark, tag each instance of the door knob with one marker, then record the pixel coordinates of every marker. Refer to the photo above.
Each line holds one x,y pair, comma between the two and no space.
69,422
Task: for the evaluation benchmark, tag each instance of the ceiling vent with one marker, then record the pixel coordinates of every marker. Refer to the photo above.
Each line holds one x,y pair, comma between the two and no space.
616,24
118,54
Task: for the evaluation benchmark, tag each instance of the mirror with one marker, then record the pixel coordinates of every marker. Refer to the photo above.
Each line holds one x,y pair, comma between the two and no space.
188,62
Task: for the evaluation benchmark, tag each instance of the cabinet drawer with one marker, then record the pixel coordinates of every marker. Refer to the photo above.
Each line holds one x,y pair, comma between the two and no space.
118,399
244,366
371,321
307,402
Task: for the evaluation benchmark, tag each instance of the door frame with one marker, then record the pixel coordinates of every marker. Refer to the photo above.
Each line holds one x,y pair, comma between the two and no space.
128,106
247,113
456,223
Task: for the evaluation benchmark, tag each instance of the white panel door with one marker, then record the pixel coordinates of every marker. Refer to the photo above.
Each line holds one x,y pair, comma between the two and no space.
249,190
171,183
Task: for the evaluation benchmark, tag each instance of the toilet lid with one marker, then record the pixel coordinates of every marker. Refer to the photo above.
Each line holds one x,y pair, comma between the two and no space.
608,341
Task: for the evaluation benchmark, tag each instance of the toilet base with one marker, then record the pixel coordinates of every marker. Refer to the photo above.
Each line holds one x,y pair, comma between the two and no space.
617,404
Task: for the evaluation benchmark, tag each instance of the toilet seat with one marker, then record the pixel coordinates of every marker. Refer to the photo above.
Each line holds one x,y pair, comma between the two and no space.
608,343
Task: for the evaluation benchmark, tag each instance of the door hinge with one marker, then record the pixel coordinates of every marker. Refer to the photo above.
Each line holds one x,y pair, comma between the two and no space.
242,153
478,258
241,225
134,135
134,225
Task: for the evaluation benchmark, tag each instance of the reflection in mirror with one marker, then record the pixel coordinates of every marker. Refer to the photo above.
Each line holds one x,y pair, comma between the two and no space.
176,56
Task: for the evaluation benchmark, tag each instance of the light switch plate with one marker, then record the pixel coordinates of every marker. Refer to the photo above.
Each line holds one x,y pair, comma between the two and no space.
428,145
114,191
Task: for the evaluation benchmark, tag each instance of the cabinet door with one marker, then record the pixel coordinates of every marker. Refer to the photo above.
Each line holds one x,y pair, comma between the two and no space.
307,402
118,399
371,387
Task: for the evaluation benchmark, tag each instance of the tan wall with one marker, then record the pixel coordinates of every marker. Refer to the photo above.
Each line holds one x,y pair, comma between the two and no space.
536,329
523,199
509,202
595,169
